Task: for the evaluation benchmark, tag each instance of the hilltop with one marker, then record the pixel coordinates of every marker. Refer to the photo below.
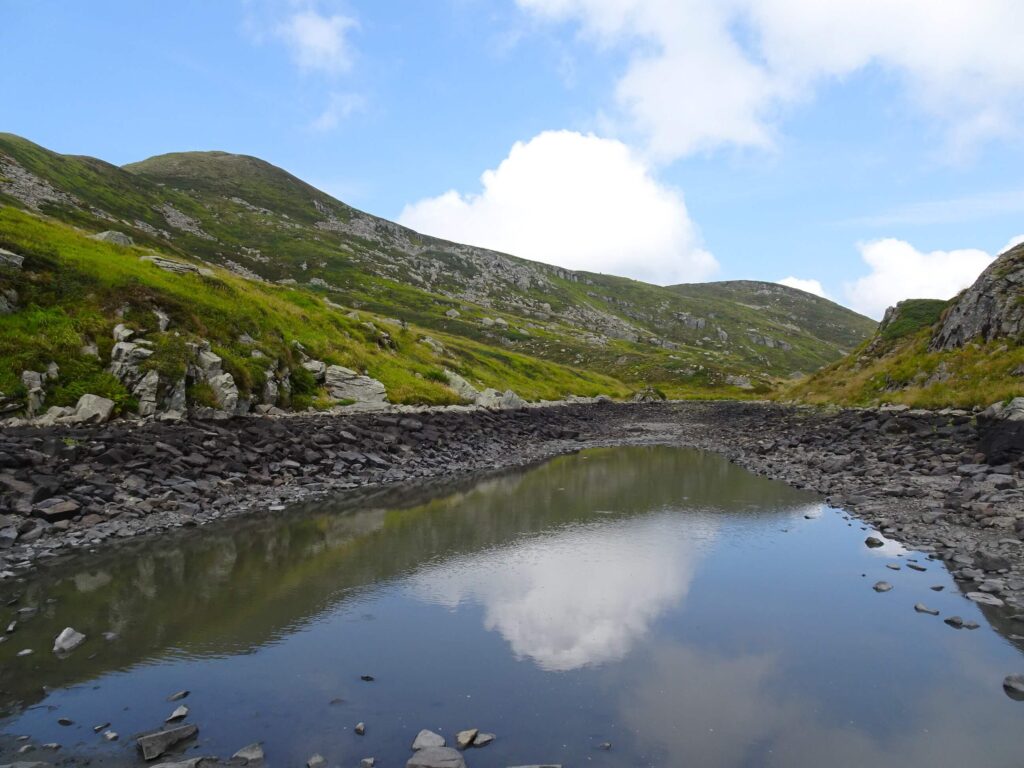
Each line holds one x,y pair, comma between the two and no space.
273,239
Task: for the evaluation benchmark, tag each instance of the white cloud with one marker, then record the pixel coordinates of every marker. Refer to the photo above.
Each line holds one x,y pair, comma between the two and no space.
811,286
339,107
1013,243
578,201
900,271
705,73
317,41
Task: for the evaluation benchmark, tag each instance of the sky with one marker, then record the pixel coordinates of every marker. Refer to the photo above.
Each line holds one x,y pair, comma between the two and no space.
865,150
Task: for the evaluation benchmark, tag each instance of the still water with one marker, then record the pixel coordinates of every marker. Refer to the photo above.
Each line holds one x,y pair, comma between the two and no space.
662,600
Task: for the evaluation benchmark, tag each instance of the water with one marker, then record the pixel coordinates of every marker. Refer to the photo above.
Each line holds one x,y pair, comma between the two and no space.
663,600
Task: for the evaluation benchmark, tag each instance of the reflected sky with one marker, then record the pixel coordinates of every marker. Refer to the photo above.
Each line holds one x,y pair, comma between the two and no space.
663,600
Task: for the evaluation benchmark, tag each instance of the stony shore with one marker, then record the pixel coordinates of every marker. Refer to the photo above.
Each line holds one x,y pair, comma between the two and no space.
916,476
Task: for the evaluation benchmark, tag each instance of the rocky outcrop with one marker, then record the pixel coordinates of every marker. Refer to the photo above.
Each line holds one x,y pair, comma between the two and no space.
990,309
345,384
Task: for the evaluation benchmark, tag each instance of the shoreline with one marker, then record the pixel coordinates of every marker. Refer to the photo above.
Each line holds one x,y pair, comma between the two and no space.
916,476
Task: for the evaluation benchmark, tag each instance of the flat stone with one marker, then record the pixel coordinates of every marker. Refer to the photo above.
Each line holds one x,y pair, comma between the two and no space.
437,757
984,598
882,586
156,743
316,761
179,714
483,739
922,608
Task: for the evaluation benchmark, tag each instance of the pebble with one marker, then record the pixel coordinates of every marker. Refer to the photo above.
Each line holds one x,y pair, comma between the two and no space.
360,729
922,608
882,586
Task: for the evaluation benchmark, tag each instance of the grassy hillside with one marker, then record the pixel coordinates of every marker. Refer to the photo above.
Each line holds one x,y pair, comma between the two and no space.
901,365
267,227
73,291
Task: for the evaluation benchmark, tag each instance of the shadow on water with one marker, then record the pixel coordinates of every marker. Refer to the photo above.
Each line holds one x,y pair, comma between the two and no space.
664,599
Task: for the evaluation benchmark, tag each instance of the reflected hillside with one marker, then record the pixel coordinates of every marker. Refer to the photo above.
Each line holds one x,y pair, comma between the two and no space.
233,587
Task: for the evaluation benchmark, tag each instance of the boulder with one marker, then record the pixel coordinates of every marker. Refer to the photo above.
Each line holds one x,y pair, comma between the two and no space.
1002,432
225,391
155,743
425,739
462,388
8,301
92,409
113,236
346,384
122,332
495,400
146,392
170,265
318,368
452,313
437,757
68,640
11,259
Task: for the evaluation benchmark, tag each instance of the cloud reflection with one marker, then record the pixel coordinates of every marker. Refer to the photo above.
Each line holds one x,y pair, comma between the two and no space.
582,596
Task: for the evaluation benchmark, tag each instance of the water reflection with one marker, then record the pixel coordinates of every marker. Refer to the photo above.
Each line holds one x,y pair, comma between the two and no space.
662,599
579,597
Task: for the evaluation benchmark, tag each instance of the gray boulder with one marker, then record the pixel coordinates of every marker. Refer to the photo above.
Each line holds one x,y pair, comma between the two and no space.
495,400
155,743
8,301
225,391
462,388
437,757
11,259
318,368
170,265
113,236
346,384
146,392
92,409
68,640
425,739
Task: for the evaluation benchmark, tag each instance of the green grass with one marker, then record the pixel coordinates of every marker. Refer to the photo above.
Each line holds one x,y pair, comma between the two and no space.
380,270
913,315
72,287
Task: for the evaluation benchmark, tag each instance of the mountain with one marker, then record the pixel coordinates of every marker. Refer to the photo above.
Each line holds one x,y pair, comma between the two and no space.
282,236
966,352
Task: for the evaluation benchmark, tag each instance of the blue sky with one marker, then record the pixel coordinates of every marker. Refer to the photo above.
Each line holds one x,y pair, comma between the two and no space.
871,146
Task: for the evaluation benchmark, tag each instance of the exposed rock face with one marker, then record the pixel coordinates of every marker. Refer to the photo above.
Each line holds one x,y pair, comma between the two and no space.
990,309
346,384
112,236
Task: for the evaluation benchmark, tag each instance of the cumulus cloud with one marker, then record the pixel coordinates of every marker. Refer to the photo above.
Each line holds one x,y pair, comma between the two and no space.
705,73
900,271
578,201
811,286
319,42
